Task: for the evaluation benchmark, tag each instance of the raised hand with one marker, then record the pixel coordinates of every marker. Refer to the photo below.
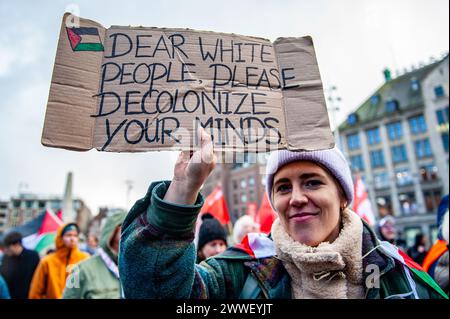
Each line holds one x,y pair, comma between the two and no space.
191,171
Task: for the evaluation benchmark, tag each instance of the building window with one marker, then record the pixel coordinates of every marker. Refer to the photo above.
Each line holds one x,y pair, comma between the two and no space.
442,116
384,205
353,142
423,148
237,164
352,119
377,158
410,235
357,162
432,199
375,99
415,85
439,91
429,172
373,136
434,231
55,205
408,203
444,137
251,181
417,124
399,153
243,198
243,183
381,180
395,131
391,106
403,177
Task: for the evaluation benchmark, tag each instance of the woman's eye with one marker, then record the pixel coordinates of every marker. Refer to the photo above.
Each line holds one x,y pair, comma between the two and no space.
313,183
283,188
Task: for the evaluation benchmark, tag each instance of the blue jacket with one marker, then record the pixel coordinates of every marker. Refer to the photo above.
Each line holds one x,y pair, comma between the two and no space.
4,292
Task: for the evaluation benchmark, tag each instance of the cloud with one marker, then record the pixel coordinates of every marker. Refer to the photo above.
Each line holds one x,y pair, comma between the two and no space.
21,45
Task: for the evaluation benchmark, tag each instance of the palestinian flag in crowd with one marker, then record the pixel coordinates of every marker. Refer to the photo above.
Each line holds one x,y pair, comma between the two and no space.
411,267
39,233
84,39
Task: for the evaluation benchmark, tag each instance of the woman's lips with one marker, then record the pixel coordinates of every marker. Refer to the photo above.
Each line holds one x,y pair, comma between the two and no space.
302,217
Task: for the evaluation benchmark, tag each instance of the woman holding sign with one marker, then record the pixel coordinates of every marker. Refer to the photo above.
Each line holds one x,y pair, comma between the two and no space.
318,247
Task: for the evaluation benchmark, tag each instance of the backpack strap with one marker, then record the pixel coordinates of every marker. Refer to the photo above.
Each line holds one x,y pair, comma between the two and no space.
251,289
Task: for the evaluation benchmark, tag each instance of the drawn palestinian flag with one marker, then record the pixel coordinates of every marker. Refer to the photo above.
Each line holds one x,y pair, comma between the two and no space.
84,39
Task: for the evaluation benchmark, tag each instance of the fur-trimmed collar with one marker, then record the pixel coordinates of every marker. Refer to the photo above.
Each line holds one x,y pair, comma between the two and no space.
330,270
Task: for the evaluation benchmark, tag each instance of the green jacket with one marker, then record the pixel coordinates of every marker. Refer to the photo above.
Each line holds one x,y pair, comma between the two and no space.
157,260
92,278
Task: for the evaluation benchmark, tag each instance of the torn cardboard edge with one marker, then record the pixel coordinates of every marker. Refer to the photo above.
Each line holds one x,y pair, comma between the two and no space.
77,78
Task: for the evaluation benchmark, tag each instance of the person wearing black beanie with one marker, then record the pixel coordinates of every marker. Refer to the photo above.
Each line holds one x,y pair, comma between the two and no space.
212,238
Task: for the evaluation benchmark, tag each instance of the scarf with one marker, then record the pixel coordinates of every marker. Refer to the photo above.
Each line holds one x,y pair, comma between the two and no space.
330,270
110,264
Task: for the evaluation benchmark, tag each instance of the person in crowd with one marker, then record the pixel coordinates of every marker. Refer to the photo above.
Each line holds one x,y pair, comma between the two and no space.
50,276
98,276
212,238
400,241
442,266
2,248
440,246
92,244
4,292
386,230
18,265
318,247
418,251
244,225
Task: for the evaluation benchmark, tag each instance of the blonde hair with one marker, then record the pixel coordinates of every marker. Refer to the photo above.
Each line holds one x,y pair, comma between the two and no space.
239,226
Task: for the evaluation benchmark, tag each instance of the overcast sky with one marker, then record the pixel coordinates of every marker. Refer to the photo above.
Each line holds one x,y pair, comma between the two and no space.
354,41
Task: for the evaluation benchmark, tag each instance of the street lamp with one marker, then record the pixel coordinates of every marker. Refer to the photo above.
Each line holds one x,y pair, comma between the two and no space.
129,184
333,107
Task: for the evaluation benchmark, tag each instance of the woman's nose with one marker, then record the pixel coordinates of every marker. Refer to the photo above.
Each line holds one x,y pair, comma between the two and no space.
298,196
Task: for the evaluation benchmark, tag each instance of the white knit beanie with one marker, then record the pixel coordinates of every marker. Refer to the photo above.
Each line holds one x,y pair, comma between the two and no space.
331,159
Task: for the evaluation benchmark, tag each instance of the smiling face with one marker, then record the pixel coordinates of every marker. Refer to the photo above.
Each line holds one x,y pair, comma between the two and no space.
308,201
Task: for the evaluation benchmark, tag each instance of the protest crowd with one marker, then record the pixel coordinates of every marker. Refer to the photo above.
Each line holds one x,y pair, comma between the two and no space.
153,89
196,256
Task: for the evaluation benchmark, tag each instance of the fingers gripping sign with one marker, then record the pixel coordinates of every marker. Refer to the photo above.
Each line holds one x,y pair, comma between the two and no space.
191,171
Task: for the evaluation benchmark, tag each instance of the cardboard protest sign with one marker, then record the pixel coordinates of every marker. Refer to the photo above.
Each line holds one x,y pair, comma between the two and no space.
130,89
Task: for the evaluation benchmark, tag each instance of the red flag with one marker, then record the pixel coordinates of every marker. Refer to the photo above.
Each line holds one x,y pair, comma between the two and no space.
59,214
50,224
361,203
266,215
215,205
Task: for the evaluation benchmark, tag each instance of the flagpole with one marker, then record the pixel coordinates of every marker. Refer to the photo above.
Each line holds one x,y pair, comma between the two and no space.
229,228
